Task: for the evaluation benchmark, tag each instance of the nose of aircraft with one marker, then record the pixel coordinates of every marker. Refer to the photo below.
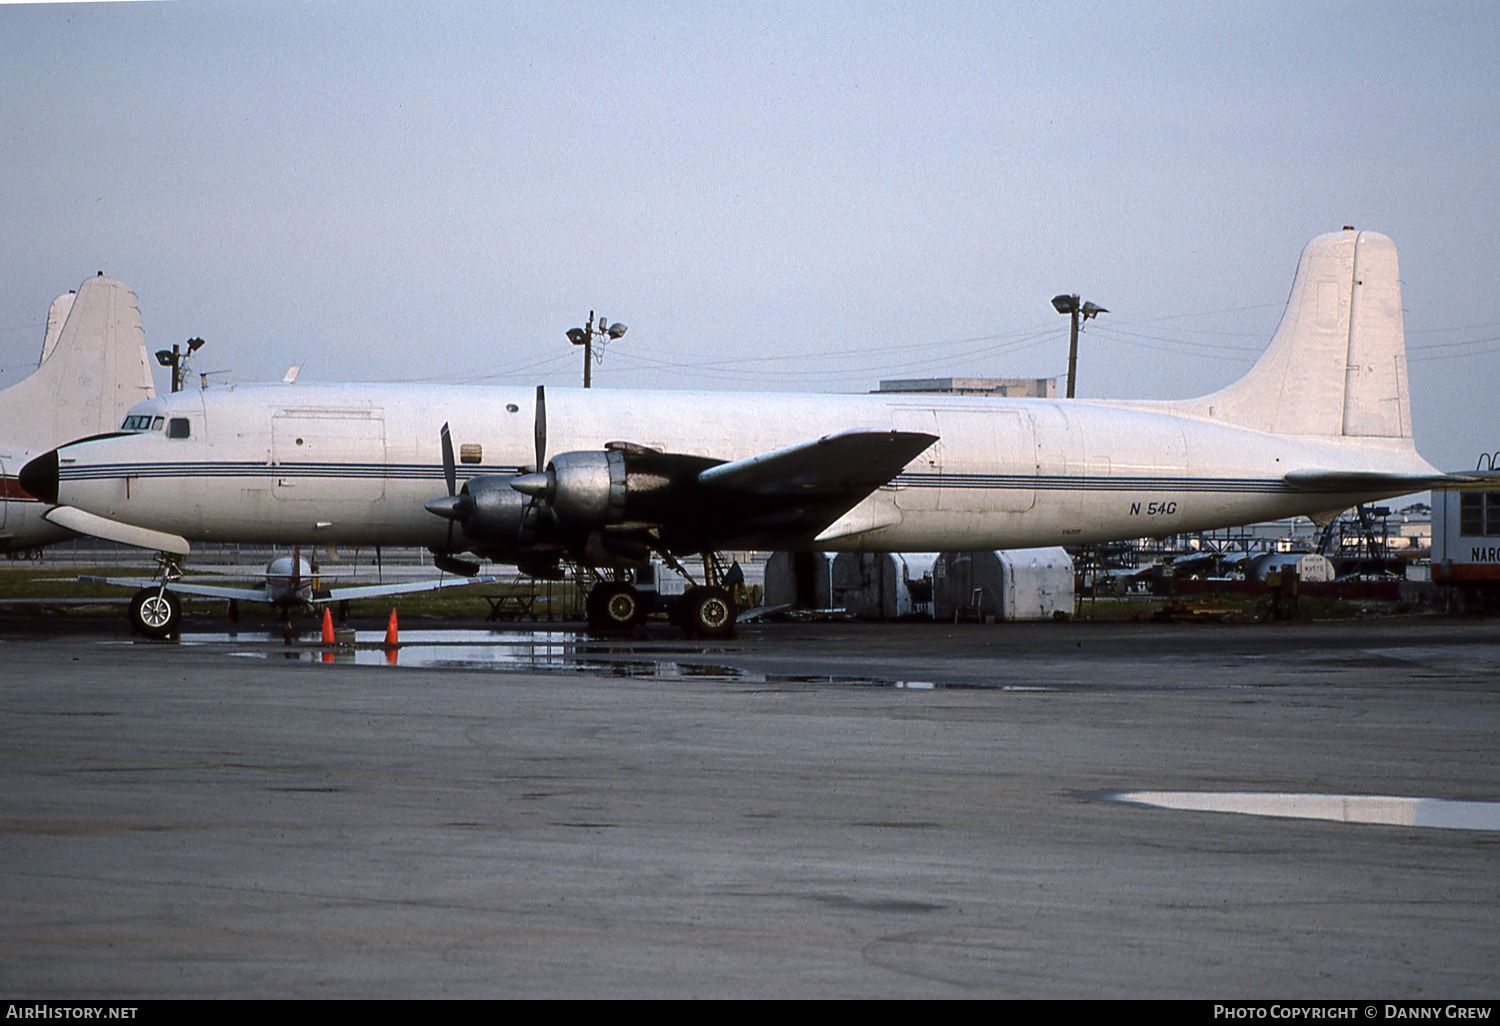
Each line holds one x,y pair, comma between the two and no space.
39,477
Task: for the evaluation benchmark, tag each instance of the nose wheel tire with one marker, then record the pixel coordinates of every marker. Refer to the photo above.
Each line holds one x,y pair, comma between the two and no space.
708,613
155,612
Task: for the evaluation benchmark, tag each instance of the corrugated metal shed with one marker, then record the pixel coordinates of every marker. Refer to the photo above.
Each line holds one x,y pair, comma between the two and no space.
1014,584
877,585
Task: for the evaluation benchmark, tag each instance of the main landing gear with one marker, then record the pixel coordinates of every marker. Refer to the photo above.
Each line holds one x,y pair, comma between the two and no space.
703,611
614,606
707,612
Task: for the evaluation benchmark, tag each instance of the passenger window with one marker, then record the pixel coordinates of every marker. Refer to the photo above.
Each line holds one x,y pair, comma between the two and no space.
178,427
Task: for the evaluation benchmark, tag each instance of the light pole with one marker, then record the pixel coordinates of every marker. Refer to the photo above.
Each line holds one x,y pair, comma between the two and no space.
1069,305
176,359
584,336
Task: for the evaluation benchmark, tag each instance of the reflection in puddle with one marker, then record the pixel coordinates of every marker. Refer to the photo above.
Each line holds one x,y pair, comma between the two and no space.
461,657
464,657
1440,813
540,650
545,639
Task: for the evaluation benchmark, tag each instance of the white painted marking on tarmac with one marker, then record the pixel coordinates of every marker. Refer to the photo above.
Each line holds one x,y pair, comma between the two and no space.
1386,810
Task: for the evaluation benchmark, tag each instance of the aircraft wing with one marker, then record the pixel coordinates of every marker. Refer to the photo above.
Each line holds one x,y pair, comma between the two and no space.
185,588
852,463
632,497
799,490
362,591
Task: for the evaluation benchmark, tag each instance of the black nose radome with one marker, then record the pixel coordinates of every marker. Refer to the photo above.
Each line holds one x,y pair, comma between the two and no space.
39,477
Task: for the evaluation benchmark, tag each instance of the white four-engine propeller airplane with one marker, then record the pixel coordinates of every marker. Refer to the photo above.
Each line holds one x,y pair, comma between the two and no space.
1320,423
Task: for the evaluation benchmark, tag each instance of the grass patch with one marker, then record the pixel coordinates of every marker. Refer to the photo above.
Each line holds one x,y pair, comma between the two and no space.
29,582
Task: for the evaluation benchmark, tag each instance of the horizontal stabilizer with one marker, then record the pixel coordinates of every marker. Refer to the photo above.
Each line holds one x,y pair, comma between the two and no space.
852,463
112,530
1346,481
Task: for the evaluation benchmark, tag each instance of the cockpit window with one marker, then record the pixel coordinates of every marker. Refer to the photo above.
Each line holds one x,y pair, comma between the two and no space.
138,422
156,424
178,427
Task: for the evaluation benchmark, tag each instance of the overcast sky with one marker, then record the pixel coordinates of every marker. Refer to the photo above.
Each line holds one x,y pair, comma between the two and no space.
794,196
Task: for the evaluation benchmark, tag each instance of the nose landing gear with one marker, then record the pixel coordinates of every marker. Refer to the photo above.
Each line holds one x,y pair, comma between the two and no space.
155,612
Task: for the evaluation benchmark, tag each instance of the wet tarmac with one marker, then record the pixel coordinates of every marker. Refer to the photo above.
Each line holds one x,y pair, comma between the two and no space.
807,810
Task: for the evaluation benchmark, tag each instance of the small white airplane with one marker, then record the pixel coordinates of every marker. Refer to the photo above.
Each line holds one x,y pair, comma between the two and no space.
92,369
289,582
1320,423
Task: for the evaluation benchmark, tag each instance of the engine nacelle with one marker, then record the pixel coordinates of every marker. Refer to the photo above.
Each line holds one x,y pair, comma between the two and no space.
494,513
588,488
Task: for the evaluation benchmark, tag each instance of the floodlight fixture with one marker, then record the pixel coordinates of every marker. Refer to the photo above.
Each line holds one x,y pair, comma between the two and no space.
585,336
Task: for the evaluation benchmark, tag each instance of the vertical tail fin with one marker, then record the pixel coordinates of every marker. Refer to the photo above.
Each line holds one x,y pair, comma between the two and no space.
94,368
57,316
1337,363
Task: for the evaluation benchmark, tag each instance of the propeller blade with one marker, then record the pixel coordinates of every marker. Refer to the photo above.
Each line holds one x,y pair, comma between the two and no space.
538,485
450,473
541,428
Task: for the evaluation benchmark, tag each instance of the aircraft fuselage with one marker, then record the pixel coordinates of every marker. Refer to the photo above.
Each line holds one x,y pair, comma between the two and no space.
354,465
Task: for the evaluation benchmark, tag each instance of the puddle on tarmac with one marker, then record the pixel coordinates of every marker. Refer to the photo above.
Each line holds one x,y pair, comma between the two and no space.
1386,810
564,651
551,650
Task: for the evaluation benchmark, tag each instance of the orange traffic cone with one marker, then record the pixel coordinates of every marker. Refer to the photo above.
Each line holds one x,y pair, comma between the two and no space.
391,640
327,626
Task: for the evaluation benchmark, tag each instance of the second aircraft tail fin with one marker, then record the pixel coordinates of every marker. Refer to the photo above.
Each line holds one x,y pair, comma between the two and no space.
94,367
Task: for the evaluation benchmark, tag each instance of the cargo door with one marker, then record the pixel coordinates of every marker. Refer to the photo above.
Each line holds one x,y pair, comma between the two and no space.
916,487
988,459
333,455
